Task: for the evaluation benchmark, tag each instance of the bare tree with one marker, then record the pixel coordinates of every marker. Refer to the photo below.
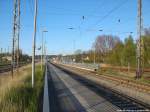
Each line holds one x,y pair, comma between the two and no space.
105,43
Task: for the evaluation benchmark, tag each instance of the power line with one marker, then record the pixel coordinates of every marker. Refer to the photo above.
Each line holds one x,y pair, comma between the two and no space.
31,7
92,13
75,12
72,14
110,12
99,6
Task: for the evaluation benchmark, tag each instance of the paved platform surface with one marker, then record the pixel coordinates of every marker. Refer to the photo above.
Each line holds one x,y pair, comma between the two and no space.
73,96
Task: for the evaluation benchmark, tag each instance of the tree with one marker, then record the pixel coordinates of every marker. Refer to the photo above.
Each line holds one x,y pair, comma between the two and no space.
104,44
79,51
116,55
129,52
78,55
146,41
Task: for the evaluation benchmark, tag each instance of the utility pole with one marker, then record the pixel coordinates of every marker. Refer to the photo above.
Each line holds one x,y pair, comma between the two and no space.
15,32
1,55
5,53
139,56
33,45
94,54
18,52
94,61
74,47
45,53
42,49
42,54
8,50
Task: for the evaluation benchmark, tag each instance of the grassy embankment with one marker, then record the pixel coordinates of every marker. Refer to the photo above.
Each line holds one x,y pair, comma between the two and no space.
17,94
127,75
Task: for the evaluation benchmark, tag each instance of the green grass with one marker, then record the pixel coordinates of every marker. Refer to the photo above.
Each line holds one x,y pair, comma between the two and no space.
24,98
127,75
145,78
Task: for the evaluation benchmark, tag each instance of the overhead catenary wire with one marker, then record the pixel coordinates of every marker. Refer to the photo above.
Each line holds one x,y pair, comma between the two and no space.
72,12
109,13
101,5
103,17
90,15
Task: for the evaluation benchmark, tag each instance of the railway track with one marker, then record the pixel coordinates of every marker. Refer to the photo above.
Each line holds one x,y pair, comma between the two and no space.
123,102
124,69
124,82
129,83
7,67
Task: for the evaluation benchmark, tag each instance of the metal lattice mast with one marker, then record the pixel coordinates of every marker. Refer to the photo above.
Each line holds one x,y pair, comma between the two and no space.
140,51
14,34
15,38
18,26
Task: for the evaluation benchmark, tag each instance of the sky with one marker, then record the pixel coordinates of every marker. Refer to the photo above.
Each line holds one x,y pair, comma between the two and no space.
56,16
